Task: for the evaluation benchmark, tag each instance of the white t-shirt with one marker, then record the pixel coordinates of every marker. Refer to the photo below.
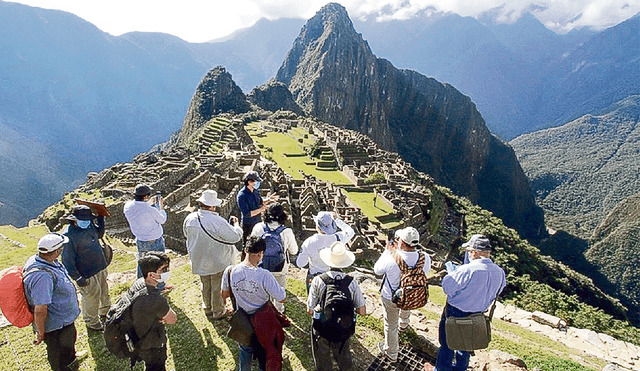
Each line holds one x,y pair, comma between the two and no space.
387,264
252,286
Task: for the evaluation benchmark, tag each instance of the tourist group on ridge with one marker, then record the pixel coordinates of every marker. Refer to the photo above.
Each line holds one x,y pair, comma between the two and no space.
253,278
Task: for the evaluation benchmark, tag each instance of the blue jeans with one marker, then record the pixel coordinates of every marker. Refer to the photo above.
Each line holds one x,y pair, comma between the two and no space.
448,359
246,354
153,245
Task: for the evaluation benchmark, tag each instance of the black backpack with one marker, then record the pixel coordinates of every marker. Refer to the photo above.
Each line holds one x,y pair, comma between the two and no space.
337,320
119,335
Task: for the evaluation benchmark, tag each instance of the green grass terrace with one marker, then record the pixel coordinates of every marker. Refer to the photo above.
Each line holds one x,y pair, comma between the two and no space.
288,151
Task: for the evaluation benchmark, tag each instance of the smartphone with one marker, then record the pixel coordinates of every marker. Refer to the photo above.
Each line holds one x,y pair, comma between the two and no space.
158,197
390,236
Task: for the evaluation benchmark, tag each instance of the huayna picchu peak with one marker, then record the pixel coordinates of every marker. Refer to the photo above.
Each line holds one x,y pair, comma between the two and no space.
333,75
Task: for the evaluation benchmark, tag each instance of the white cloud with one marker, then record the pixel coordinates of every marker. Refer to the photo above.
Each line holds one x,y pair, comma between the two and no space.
197,20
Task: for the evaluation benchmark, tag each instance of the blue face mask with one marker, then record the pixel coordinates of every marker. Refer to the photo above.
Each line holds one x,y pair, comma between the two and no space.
256,185
84,224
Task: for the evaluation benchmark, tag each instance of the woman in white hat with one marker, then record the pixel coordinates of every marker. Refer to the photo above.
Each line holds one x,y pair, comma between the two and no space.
336,257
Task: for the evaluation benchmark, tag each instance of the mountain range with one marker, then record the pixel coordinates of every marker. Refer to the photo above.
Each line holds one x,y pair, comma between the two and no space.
586,176
82,99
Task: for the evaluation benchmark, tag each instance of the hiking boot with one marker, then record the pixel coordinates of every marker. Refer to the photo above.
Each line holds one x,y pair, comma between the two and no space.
80,356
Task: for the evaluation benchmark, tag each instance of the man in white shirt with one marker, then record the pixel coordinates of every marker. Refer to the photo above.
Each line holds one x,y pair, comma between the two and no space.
146,215
210,244
327,226
252,287
404,244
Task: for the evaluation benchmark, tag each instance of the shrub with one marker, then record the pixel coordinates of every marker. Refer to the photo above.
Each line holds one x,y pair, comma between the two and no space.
375,178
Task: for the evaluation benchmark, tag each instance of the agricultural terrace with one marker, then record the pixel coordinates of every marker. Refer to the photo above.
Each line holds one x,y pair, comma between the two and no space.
288,150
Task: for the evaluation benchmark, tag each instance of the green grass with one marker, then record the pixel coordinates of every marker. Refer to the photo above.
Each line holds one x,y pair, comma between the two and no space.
364,200
282,144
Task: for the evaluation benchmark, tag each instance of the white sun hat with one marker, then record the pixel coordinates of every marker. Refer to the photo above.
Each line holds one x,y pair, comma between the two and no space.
210,198
337,255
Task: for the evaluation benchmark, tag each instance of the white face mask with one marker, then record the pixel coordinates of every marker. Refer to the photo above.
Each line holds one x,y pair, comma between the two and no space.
164,277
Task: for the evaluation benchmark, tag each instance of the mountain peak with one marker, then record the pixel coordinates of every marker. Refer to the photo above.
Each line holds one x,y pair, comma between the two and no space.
333,75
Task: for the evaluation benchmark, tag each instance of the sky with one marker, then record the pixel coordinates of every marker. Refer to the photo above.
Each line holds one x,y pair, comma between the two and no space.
205,20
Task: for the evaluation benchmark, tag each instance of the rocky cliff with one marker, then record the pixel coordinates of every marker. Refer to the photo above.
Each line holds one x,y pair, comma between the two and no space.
334,76
217,93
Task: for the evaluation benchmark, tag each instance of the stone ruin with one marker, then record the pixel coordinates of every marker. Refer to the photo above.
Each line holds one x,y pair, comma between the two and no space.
181,174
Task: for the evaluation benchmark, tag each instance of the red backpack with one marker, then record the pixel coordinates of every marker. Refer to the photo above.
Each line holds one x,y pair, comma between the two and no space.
13,302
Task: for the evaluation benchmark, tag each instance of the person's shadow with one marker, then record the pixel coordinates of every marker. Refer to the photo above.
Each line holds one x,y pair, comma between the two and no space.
188,348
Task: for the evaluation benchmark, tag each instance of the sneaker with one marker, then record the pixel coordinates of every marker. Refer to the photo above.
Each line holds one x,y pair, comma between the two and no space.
383,351
96,327
80,356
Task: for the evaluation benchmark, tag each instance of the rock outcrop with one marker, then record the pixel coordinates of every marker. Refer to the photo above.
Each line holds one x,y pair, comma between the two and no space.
217,93
333,75
274,96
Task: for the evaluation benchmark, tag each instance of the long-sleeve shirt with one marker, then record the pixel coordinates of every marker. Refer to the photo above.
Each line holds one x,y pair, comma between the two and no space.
310,250
386,264
289,243
209,256
144,220
472,287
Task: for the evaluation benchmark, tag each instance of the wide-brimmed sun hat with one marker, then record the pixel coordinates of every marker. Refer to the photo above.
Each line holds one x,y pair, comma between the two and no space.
210,198
337,255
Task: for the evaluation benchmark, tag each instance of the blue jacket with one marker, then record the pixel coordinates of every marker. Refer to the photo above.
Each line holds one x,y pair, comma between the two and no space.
247,202
82,255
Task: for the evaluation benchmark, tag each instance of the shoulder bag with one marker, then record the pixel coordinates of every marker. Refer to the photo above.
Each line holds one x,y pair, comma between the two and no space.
107,250
241,329
469,333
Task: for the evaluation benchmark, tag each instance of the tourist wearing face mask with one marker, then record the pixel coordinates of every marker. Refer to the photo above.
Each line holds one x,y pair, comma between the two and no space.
85,261
251,204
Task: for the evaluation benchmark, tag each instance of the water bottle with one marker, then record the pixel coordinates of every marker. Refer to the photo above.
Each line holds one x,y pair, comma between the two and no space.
450,267
317,312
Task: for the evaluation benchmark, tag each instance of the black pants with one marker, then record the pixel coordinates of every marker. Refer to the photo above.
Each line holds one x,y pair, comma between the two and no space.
323,351
246,232
154,358
61,347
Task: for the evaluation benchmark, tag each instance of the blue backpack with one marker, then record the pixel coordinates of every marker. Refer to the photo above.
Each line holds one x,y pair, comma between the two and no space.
273,259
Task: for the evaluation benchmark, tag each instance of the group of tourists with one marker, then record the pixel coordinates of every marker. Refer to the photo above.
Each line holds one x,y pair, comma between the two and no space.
265,248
